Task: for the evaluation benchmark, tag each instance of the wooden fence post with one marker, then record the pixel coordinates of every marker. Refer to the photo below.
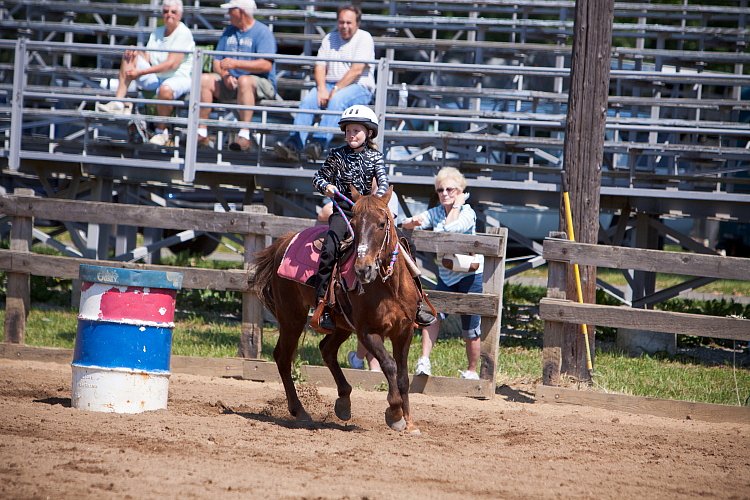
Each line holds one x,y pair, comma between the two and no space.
554,332
584,146
251,334
494,279
18,299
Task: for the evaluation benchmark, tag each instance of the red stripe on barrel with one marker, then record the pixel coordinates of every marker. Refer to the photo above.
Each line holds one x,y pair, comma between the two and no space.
127,304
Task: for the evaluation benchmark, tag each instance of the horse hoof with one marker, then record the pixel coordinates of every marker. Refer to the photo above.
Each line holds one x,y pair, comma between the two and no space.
396,425
302,416
343,408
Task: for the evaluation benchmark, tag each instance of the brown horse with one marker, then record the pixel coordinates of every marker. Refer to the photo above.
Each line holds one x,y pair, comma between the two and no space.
386,308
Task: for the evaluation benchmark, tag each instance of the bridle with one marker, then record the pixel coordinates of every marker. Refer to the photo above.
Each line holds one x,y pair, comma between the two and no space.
383,272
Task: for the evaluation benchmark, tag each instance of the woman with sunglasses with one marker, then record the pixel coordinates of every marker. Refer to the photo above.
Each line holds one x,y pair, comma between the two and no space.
455,274
166,73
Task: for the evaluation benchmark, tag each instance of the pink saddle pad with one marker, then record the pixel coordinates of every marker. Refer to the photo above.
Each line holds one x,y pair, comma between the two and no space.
301,258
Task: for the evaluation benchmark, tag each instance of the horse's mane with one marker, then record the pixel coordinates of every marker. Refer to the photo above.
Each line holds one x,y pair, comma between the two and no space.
370,203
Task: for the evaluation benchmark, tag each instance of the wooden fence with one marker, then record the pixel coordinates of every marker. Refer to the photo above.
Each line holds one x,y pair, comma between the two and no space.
257,228
556,310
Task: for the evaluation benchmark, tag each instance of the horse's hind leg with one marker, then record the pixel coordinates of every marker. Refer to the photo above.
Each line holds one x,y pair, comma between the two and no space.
329,348
283,354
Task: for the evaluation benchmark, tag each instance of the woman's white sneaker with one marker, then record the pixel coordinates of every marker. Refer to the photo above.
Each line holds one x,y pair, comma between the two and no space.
115,107
469,375
160,139
424,367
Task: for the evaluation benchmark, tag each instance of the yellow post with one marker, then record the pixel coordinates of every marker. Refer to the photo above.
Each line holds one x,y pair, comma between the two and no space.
576,271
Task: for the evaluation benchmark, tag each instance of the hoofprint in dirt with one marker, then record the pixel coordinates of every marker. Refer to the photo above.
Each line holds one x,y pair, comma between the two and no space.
229,438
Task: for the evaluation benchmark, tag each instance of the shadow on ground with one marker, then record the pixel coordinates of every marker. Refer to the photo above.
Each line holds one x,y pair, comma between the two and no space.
514,395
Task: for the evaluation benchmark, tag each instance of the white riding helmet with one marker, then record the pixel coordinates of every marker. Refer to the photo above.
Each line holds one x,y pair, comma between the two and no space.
360,114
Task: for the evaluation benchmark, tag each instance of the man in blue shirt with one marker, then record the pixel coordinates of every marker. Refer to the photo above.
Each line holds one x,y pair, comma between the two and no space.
243,79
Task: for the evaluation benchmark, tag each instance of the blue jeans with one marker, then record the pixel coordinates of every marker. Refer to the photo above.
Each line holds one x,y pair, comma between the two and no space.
470,323
342,99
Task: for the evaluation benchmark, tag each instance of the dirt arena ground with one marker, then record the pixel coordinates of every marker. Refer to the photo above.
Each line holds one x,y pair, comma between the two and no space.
467,448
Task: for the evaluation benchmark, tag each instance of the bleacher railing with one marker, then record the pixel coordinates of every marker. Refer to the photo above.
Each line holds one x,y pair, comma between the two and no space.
463,121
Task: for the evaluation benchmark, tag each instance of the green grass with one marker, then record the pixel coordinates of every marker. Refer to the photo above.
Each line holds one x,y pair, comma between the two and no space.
672,379
519,360
615,277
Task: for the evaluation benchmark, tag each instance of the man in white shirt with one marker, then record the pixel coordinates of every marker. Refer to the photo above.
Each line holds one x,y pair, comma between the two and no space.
166,73
340,84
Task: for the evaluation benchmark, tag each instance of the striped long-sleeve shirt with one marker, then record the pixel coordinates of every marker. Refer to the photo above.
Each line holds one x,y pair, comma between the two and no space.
345,167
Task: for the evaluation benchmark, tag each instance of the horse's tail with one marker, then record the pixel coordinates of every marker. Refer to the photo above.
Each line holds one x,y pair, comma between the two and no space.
266,263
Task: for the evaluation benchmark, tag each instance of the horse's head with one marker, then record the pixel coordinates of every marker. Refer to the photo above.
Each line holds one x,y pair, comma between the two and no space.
374,235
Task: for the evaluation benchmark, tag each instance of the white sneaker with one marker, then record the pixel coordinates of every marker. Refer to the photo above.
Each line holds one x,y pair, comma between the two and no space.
160,139
354,361
115,108
424,367
469,375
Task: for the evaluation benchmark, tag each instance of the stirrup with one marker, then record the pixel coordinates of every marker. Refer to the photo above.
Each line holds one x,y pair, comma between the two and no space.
315,320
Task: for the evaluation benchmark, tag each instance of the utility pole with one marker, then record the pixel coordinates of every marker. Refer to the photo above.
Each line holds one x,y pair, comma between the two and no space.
583,155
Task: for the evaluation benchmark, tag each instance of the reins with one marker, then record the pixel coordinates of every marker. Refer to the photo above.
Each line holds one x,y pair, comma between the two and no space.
341,211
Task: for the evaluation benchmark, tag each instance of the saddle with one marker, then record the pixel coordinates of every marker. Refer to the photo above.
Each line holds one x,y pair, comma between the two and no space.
300,264
301,257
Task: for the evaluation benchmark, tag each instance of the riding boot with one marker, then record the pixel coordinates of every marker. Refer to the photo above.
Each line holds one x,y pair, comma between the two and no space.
326,321
322,321
424,316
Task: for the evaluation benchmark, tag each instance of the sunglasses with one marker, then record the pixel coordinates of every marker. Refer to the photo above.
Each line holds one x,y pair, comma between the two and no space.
167,11
447,190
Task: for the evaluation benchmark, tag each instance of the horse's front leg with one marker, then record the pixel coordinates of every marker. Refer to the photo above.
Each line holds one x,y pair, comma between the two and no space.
394,414
401,354
329,348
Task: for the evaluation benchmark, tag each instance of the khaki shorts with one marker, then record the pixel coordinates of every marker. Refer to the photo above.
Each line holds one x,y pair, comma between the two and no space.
263,89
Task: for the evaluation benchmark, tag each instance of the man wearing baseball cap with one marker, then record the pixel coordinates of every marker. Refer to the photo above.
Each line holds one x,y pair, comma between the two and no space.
242,78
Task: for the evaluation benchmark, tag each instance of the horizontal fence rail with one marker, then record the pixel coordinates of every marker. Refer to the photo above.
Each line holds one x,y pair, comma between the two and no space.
556,309
255,228
692,264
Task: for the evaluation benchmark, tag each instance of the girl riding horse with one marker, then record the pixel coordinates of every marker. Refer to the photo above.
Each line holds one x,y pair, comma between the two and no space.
351,167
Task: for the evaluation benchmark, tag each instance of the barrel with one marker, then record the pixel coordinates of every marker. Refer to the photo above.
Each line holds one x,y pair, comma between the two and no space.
124,339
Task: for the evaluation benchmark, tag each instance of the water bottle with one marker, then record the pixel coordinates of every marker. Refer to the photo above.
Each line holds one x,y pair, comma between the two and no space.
403,96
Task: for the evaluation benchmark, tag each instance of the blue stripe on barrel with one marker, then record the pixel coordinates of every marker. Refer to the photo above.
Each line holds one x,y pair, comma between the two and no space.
118,345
